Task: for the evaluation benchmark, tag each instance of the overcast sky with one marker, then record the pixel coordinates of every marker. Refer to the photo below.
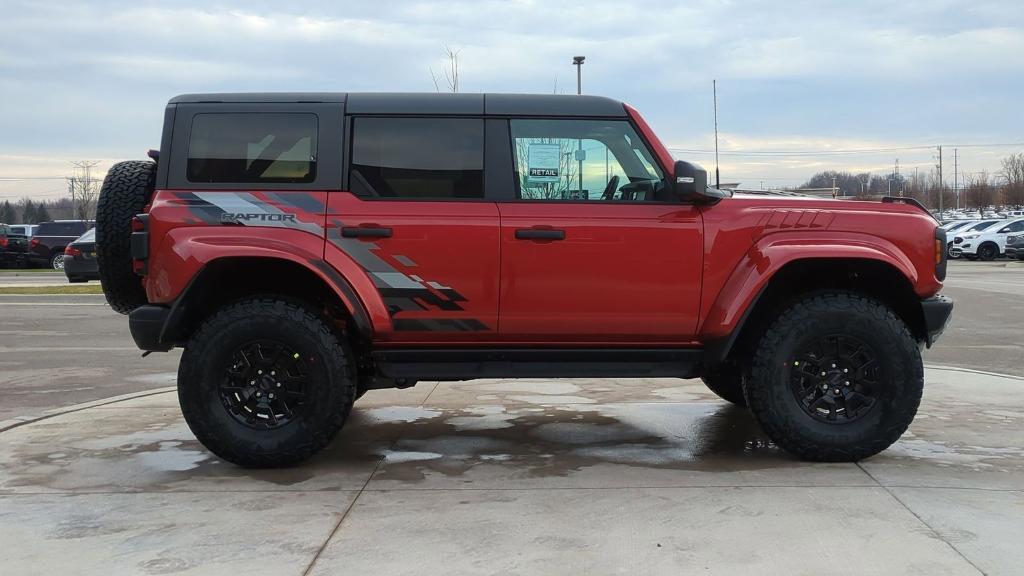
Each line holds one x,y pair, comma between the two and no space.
89,80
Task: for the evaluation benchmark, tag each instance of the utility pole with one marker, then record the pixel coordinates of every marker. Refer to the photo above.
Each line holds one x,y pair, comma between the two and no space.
956,180
714,95
940,181
84,184
578,62
833,187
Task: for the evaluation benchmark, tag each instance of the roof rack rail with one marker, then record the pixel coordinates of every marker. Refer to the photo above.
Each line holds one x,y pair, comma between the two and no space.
907,200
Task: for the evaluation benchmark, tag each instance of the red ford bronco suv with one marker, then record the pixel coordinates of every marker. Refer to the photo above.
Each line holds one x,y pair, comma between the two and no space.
305,248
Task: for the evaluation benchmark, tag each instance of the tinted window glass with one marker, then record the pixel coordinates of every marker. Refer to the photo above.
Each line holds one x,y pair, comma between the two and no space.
583,160
3,231
251,148
982,225
418,157
1014,227
61,229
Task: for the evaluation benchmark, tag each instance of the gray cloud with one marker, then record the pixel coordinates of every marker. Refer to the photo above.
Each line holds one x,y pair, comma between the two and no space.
89,80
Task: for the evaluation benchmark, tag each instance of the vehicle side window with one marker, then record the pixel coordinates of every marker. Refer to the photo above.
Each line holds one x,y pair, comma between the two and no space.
1014,227
252,148
584,160
3,231
418,158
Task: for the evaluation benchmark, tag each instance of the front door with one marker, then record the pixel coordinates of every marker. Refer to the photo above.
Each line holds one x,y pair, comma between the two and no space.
594,249
416,223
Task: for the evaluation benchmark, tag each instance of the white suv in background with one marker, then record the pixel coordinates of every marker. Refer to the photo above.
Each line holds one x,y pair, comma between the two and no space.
960,229
988,243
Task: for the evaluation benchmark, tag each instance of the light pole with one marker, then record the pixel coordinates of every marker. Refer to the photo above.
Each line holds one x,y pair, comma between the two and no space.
577,61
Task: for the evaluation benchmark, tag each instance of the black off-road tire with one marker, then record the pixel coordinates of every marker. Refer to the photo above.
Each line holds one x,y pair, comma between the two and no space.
127,188
726,381
773,402
329,389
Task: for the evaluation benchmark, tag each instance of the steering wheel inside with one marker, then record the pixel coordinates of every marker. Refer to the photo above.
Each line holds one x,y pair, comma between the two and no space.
609,189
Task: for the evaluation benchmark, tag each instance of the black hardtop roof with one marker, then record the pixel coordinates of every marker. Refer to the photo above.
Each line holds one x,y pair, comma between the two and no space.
428,102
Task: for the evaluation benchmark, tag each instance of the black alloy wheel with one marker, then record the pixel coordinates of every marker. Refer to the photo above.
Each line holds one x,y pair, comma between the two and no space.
835,378
265,384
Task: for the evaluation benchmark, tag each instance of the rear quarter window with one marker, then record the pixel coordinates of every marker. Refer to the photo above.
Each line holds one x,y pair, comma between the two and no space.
252,148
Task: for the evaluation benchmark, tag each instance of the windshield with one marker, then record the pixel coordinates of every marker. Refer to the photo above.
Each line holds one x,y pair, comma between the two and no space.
982,226
958,225
89,236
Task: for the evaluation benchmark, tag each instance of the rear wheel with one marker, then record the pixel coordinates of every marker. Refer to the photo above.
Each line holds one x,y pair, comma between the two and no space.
57,261
265,383
125,192
836,378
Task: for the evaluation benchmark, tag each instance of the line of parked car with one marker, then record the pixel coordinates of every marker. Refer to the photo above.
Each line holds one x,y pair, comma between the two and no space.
986,239
68,245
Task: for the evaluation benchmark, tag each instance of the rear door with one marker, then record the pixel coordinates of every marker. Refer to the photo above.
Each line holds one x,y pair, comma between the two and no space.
594,249
415,220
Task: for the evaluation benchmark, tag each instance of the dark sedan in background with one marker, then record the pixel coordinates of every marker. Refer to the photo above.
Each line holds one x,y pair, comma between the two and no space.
13,248
80,258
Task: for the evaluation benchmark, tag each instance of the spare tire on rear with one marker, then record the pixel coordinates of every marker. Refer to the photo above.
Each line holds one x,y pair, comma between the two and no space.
126,191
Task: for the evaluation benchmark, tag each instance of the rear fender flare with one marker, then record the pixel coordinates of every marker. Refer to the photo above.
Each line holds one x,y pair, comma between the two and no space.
184,254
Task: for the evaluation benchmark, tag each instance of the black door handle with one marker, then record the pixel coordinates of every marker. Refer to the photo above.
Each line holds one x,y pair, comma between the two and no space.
539,234
365,232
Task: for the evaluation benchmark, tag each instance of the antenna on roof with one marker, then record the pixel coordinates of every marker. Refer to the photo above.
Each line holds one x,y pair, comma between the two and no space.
714,92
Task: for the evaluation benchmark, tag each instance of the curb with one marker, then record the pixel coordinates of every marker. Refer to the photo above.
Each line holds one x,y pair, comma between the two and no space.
972,371
19,421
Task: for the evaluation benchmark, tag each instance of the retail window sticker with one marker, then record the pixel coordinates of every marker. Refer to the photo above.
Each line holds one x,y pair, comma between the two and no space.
542,161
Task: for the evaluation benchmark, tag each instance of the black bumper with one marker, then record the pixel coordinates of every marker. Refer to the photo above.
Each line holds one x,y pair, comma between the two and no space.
81,268
146,324
937,311
16,259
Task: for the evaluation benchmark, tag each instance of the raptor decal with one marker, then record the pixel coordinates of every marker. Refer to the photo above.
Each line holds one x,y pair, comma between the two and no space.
400,291
404,292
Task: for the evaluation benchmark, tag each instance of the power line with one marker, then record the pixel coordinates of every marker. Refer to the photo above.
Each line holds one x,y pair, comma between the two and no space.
838,152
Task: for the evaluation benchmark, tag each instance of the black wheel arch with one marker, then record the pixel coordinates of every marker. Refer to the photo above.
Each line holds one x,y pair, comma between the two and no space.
226,280
802,278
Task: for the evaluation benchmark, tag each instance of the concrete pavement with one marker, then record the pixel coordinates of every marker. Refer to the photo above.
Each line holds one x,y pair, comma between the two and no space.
591,476
641,476
31,278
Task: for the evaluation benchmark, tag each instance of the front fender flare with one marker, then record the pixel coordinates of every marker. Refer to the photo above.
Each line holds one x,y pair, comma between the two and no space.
741,291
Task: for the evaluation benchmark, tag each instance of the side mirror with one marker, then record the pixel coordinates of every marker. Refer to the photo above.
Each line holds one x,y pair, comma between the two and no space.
691,184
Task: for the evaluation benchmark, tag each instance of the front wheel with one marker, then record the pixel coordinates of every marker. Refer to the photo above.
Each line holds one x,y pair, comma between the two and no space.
265,383
988,251
836,378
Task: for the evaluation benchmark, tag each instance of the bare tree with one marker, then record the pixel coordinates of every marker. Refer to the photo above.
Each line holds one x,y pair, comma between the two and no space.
451,71
978,192
1013,179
